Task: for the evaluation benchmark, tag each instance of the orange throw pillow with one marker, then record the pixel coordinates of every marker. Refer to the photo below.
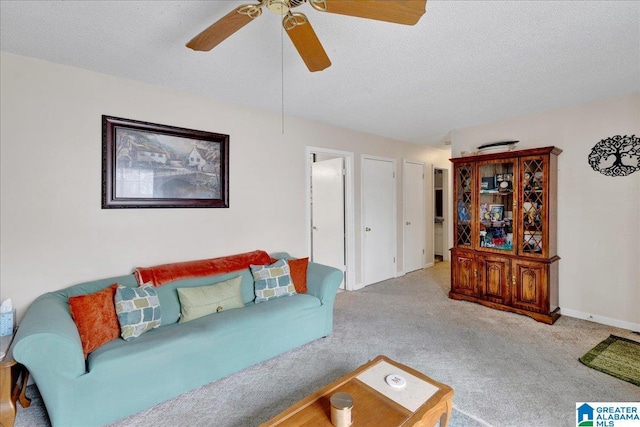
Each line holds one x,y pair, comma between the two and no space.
95,317
298,271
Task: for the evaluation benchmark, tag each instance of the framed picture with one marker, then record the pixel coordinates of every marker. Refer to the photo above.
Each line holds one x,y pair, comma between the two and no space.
496,212
147,165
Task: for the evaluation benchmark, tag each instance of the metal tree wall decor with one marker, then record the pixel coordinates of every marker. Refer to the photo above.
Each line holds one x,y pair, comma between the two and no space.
616,156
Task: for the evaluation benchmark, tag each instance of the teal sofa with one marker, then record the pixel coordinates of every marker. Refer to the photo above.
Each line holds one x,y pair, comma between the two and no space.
121,378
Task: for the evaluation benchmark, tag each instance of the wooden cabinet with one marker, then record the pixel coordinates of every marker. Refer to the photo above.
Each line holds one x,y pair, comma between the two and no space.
463,274
532,290
495,281
505,225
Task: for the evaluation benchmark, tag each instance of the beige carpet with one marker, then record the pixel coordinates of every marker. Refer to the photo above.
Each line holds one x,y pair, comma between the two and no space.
506,369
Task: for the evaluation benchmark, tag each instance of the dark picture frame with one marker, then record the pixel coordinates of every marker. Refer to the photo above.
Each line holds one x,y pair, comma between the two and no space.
148,165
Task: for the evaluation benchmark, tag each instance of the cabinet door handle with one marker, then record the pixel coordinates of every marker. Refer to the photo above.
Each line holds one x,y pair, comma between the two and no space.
513,280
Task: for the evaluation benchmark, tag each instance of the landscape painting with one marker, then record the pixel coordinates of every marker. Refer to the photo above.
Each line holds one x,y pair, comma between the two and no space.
147,165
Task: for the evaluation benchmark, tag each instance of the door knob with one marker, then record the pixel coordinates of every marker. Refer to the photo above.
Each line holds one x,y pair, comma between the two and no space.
367,229
408,223
314,227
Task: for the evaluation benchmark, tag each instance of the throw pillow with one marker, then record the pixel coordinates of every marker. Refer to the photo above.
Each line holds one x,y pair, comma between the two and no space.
272,281
298,269
138,310
201,301
95,317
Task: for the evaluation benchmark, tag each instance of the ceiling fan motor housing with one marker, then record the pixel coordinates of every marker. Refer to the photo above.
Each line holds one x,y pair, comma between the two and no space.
282,7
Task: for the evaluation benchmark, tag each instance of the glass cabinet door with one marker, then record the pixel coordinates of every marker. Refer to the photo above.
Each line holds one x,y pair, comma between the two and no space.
495,205
462,206
532,208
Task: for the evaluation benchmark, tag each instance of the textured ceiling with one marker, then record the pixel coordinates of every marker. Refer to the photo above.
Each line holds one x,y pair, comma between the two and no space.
464,63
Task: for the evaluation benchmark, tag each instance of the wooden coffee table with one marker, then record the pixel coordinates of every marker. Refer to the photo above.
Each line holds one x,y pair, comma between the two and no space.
421,403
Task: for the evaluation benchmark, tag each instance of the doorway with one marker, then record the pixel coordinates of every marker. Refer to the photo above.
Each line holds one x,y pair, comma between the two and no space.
378,219
440,209
330,208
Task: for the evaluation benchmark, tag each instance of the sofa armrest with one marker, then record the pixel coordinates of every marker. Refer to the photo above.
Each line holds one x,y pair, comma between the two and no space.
323,282
47,341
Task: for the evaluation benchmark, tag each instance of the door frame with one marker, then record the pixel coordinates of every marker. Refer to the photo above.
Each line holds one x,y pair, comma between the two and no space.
423,264
447,212
349,208
393,161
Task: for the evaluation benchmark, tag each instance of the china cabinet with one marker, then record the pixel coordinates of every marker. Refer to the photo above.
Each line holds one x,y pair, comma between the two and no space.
505,225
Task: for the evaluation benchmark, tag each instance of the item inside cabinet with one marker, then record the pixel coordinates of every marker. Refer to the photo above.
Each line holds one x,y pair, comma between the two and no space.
504,182
496,212
532,242
488,183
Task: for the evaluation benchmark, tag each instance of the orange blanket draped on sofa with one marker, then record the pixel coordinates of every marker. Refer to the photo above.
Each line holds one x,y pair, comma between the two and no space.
162,274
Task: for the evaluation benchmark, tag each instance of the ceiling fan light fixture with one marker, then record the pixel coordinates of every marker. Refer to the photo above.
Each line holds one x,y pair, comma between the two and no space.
320,5
251,10
292,20
279,7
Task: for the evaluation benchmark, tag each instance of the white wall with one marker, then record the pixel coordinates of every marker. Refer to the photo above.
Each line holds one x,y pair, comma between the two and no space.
598,216
52,228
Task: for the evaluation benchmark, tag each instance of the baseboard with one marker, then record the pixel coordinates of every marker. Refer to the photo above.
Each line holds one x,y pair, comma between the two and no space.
427,265
623,324
356,286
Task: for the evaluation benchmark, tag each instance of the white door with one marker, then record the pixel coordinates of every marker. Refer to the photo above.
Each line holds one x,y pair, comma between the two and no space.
327,213
378,220
414,216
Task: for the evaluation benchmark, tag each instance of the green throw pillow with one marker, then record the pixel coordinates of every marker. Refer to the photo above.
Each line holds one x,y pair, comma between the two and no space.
138,310
201,301
272,281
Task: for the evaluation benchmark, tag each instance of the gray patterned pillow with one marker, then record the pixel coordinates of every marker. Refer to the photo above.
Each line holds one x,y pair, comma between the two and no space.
138,310
272,281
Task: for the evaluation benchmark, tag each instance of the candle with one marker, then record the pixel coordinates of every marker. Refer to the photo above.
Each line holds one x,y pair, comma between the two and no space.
341,405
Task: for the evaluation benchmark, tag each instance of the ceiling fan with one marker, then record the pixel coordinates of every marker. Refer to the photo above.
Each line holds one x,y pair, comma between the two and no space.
297,25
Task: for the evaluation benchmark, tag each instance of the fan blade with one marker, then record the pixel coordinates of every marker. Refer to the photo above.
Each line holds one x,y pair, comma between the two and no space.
406,12
306,42
220,30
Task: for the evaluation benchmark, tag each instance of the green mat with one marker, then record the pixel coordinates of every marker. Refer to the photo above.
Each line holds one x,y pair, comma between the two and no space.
616,356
